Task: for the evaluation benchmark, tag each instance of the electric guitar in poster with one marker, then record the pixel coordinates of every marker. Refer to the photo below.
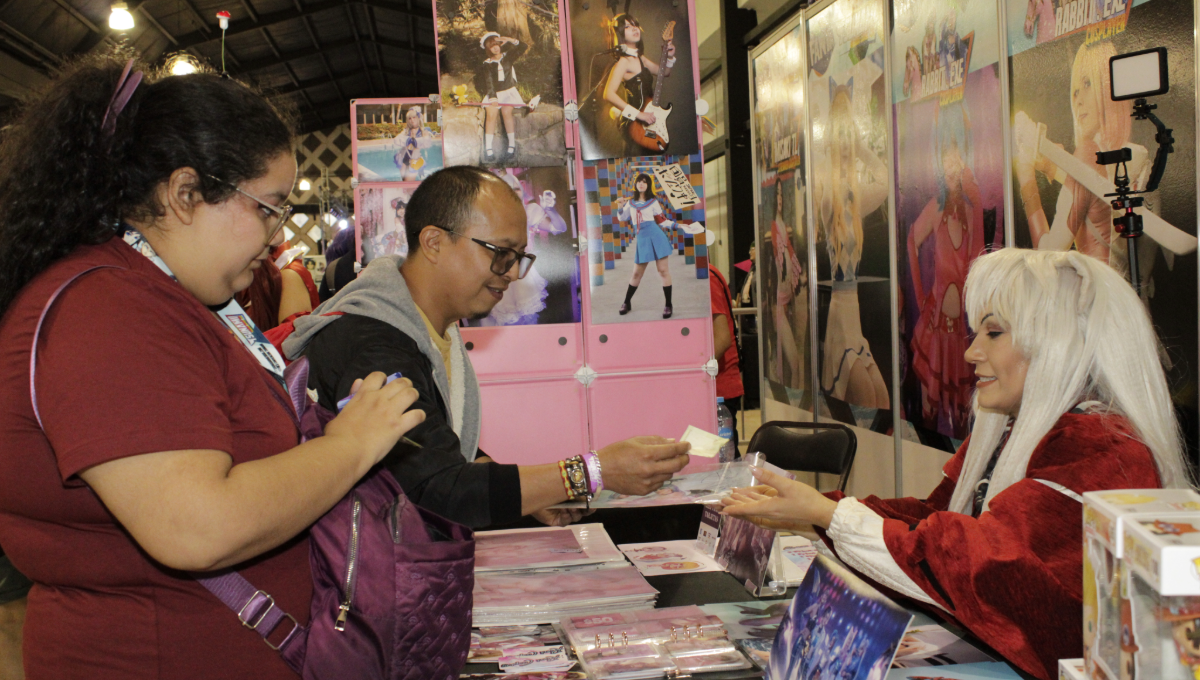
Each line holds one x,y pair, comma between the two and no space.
654,137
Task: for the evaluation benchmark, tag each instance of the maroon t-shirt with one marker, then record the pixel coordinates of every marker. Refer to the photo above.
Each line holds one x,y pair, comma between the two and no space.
128,363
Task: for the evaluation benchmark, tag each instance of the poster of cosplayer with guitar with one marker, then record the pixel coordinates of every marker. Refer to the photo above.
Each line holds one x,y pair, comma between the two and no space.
949,198
549,293
396,140
634,78
1063,114
849,184
500,69
779,124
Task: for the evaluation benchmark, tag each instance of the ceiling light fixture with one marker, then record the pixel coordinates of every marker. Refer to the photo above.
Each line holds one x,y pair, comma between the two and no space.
120,19
181,65
305,185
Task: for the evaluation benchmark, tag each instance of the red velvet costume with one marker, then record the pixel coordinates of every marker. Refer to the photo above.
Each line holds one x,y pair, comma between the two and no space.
1014,575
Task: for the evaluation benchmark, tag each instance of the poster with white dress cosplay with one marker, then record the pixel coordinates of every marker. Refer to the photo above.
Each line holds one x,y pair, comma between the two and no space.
646,241
950,176
1062,114
379,225
396,140
849,136
634,78
779,134
549,293
500,69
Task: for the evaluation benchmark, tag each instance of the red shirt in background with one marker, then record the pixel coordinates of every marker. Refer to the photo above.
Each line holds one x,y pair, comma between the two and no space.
729,377
128,363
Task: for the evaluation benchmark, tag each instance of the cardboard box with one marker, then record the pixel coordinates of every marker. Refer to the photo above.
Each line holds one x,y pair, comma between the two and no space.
1107,518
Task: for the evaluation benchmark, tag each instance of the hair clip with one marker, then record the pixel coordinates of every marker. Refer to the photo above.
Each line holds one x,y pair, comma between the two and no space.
624,639
597,641
611,643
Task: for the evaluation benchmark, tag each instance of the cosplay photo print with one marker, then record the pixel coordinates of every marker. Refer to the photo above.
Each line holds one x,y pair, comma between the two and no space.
549,291
633,77
500,63
646,240
398,140
380,210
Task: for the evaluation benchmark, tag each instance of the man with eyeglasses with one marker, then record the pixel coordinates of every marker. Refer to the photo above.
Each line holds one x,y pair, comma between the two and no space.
467,237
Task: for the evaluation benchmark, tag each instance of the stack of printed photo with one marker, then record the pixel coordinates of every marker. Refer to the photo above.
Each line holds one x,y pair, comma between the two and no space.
649,644
543,548
546,596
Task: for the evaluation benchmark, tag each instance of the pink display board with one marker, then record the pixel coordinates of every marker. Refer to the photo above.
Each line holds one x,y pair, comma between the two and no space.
663,404
527,422
650,345
513,352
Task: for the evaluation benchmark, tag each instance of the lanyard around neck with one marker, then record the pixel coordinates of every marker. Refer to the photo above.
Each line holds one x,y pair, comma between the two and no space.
231,315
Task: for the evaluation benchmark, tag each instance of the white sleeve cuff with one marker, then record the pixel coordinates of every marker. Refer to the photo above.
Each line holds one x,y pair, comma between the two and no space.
670,62
629,112
857,533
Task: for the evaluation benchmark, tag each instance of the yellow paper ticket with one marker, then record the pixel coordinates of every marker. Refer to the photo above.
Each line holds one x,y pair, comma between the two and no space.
703,443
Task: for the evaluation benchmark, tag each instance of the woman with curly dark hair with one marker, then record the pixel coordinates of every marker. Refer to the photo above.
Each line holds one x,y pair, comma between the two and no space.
145,435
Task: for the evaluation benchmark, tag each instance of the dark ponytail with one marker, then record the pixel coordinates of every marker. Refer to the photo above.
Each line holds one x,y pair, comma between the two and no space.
65,183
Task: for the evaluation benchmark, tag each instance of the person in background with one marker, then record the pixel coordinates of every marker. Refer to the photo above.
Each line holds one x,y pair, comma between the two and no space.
149,438
300,292
341,260
725,346
14,589
261,299
1071,397
467,234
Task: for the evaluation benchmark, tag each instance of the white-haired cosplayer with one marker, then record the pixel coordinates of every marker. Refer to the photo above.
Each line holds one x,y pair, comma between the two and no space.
1071,397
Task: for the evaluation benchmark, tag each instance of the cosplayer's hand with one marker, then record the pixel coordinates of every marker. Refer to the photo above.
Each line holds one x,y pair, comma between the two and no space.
558,517
1046,166
622,201
641,465
647,118
1025,143
671,50
378,415
794,502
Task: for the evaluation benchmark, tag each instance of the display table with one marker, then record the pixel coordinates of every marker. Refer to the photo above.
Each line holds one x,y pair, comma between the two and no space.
677,590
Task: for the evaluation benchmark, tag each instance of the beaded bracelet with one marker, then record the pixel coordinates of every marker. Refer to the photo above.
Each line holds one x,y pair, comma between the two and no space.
562,470
575,475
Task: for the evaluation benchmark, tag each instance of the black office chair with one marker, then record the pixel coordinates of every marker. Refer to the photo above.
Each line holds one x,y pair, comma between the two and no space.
830,449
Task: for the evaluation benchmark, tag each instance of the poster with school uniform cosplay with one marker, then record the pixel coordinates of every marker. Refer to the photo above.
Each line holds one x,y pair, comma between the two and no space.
847,105
500,70
634,78
779,126
396,140
950,178
379,223
549,293
1061,93
647,250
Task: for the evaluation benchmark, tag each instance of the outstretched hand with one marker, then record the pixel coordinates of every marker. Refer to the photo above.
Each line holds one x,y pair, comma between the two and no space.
641,465
781,503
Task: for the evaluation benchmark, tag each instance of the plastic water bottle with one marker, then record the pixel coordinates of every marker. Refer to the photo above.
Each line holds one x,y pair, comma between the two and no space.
725,429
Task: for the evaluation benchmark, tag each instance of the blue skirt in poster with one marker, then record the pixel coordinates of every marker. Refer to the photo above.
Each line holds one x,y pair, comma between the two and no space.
652,243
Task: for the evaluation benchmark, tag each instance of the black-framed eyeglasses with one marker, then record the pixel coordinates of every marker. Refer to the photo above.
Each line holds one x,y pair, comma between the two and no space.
282,213
503,258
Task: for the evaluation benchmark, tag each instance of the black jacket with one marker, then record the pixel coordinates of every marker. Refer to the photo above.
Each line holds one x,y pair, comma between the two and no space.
436,476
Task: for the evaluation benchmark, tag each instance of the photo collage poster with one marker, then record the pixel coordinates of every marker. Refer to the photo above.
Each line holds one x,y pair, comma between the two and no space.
397,143
500,73
783,254
1059,53
634,78
949,142
639,243
837,626
847,105
549,293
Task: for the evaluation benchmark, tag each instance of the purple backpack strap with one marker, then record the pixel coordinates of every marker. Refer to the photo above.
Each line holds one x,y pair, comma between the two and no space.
257,611
37,331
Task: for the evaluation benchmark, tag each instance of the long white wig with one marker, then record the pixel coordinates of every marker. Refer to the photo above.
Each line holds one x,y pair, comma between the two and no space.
1087,337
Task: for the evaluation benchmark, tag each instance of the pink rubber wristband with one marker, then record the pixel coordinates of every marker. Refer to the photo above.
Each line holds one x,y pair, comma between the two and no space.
595,480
